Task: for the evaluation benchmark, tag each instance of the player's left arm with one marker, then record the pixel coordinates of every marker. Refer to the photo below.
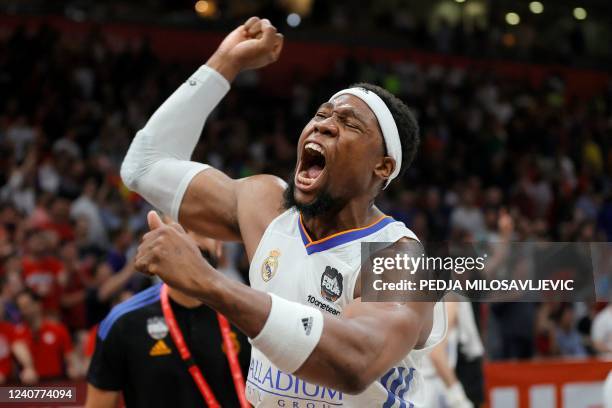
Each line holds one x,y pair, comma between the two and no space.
346,353
358,348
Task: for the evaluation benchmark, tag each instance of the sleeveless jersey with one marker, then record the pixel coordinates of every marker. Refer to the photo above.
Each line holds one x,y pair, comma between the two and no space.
323,274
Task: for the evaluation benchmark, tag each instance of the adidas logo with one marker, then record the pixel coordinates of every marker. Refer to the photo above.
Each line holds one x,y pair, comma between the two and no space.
307,323
160,349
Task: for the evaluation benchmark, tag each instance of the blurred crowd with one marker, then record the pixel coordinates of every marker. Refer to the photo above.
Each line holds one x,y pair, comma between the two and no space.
499,160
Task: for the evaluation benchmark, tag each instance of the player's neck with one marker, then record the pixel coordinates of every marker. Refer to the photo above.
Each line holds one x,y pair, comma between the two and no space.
183,299
349,217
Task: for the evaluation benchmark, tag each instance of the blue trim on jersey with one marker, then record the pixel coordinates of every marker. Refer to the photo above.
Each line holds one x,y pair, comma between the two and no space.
139,300
398,387
341,238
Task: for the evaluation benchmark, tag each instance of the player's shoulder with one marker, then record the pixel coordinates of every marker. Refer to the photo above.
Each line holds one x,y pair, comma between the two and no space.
262,185
124,309
392,230
260,197
259,202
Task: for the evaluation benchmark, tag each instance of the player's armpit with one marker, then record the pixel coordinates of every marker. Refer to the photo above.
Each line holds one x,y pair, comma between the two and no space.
219,207
357,349
97,398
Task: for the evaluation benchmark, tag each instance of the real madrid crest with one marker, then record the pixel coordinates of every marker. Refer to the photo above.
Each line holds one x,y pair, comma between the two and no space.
269,266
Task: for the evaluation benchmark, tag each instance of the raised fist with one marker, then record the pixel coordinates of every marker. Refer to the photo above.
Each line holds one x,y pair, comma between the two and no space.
252,45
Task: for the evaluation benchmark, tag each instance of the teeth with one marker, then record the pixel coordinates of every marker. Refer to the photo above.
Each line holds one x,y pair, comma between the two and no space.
315,147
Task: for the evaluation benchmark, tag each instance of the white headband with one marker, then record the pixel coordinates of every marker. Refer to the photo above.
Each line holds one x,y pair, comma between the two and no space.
385,121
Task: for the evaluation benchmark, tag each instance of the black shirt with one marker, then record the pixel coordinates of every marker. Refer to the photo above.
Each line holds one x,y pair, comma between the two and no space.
135,354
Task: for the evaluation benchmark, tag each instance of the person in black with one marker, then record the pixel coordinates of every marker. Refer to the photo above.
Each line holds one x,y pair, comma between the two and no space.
135,355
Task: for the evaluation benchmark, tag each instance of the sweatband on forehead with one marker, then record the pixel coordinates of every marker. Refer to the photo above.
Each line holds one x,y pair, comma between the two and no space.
385,121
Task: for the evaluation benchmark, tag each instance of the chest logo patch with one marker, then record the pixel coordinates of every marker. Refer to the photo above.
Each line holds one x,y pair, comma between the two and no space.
160,348
270,265
157,328
331,284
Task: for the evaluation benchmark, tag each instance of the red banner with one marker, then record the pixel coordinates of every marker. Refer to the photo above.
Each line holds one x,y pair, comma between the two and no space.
546,384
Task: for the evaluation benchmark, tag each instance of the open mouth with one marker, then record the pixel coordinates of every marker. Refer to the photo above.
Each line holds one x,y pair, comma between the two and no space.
312,165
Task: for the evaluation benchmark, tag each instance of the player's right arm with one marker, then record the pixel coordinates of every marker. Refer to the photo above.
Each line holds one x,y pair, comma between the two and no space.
158,165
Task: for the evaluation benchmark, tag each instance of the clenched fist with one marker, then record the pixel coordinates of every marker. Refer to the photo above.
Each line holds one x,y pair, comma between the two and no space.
170,253
252,45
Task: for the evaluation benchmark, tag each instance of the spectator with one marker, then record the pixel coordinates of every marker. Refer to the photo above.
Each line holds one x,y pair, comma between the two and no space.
48,341
117,254
467,216
86,206
12,345
43,273
105,286
59,221
568,341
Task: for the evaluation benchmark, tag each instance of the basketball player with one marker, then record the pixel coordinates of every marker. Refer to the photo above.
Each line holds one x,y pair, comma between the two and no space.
314,343
443,387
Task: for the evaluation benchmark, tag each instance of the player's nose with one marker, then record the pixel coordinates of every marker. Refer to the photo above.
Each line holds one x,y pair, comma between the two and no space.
327,127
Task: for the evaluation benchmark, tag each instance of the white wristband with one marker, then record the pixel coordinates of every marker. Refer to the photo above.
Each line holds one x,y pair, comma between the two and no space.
290,334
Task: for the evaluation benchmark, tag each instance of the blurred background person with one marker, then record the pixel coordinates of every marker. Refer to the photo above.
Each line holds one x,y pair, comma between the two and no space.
13,347
601,332
48,341
462,345
136,357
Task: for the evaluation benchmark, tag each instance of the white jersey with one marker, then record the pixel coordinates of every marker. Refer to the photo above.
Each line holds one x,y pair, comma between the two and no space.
323,274
462,336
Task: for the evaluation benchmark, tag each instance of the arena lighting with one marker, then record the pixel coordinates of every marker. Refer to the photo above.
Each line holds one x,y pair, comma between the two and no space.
536,7
294,20
580,13
513,18
201,6
205,8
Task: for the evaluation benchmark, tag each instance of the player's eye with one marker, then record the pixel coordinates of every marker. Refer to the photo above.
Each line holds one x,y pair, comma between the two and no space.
353,125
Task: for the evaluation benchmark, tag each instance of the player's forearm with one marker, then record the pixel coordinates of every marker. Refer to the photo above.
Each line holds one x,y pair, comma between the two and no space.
157,163
347,356
223,65
246,308
175,127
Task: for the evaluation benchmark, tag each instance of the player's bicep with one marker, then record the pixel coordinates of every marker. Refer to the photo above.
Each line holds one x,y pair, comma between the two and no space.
209,206
219,207
403,326
365,342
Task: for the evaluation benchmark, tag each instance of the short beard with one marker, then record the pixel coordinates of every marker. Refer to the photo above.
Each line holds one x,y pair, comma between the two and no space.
323,203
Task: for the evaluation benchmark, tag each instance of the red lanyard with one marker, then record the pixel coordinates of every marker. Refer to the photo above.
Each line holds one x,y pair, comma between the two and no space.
194,370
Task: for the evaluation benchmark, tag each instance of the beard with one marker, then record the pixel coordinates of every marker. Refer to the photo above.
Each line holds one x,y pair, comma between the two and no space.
323,203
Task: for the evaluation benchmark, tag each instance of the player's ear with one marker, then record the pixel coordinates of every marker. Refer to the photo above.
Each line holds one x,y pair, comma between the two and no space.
384,168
